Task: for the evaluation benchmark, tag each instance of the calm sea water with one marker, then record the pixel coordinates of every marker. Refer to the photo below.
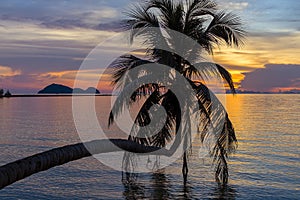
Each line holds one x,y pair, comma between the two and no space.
265,166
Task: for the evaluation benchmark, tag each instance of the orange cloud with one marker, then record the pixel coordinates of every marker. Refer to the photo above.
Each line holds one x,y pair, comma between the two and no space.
6,71
260,50
98,78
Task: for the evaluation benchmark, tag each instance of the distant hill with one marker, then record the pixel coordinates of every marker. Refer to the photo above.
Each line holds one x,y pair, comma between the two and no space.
62,89
78,91
56,89
92,90
293,91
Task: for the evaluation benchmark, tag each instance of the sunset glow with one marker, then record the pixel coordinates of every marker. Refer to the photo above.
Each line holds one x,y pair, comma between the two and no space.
37,50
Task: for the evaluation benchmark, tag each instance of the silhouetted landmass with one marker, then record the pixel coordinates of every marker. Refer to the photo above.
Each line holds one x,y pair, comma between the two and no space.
78,91
1,93
7,94
92,90
62,89
56,89
294,91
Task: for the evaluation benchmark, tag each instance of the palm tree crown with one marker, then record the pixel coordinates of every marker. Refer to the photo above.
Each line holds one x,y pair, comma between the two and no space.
155,22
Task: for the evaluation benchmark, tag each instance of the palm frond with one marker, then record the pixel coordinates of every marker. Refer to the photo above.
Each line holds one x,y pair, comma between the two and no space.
226,27
197,8
221,135
173,120
146,24
208,70
130,92
195,19
143,119
171,18
226,144
126,97
204,103
227,77
163,136
171,13
205,41
146,136
121,67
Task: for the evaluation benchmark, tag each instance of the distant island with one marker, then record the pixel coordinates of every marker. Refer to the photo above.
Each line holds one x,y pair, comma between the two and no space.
62,89
6,94
294,91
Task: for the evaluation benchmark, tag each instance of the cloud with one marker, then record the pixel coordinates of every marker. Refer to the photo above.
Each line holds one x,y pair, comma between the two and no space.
64,24
86,20
43,49
58,75
234,5
273,16
6,71
273,77
61,14
115,26
261,49
40,37
24,83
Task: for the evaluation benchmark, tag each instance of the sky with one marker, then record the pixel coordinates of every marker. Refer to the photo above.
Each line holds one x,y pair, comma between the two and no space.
44,42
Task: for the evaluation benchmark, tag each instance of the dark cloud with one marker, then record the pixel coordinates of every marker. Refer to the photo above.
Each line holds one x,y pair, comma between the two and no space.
33,64
64,24
63,14
273,76
43,56
115,26
21,83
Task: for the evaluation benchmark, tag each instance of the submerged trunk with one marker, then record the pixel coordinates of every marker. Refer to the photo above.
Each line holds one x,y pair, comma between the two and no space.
23,168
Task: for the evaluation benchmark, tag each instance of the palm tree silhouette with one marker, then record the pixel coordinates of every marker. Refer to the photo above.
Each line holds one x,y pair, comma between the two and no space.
155,22
189,18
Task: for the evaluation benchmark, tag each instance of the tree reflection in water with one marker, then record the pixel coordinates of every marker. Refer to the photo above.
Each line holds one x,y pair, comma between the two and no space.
135,188
159,186
224,192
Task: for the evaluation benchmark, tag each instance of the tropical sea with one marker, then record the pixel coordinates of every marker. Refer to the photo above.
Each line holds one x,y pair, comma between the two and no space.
265,166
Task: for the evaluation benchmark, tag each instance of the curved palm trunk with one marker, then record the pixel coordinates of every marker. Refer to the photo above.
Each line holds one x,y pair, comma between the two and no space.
23,168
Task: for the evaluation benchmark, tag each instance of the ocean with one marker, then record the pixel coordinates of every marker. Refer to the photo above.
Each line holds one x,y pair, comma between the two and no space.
266,164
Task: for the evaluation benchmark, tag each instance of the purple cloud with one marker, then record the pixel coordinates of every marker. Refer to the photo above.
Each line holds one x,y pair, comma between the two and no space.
272,77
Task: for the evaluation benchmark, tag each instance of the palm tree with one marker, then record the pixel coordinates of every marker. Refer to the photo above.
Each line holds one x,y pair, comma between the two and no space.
155,22
188,18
